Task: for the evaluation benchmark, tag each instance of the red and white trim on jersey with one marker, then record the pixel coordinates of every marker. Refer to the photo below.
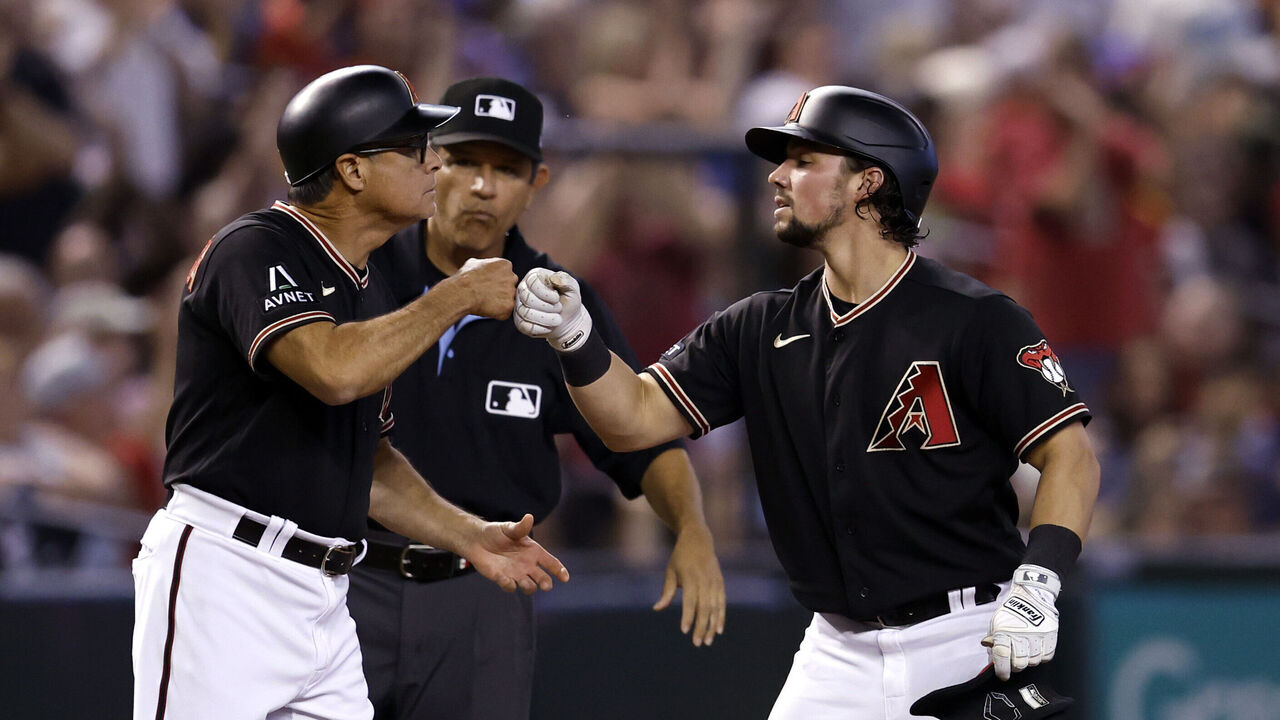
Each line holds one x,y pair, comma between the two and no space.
1048,426
279,325
862,307
360,280
686,403
384,415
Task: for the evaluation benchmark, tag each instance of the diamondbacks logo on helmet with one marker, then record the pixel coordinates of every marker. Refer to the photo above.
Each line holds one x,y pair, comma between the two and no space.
413,94
919,403
794,115
1041,358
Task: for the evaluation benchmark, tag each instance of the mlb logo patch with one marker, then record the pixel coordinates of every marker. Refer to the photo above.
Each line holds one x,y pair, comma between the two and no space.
495,106
513,399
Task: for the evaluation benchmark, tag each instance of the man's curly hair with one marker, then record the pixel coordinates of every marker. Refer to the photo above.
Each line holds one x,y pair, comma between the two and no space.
895,225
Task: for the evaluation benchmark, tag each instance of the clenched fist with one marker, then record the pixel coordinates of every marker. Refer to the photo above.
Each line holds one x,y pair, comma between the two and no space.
490,285
549,306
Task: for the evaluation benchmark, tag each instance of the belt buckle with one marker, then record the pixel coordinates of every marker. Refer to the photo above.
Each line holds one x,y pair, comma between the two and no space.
324,563
405,572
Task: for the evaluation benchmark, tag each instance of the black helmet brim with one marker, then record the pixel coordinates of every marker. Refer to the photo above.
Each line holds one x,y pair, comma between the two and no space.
770,143
420,120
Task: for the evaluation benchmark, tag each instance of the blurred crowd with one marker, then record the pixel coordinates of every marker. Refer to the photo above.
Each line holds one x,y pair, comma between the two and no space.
1113,165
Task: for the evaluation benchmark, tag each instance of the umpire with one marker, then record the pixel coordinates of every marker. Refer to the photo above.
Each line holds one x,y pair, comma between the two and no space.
477,414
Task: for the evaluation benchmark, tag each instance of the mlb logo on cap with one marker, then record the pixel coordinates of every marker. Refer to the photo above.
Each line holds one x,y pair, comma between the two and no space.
501,111
495,106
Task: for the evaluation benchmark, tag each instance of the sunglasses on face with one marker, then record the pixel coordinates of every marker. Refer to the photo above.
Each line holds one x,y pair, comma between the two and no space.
415,147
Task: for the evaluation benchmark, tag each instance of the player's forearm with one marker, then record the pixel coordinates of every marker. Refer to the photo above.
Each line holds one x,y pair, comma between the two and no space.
628,412
670,486
340,363
402,501
1069,481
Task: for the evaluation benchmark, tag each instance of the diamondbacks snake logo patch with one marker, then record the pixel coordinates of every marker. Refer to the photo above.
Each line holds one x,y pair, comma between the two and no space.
1041,358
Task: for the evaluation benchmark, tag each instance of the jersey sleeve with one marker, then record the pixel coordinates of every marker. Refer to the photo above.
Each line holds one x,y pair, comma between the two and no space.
625,469
700,373
1012,376
255,289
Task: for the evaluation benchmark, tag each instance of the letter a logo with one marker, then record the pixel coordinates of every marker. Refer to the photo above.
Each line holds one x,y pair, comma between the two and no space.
919,404
279,279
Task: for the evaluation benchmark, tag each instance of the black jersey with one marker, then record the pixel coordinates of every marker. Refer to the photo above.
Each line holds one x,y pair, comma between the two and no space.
239,428
883,438
478,412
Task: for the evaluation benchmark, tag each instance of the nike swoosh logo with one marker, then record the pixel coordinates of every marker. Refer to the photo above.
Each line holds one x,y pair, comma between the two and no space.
779,342
327,291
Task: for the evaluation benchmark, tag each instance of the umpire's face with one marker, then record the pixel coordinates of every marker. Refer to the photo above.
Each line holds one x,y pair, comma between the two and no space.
482,188
814,191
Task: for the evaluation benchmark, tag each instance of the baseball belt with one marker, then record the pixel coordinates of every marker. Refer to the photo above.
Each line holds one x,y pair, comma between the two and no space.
329,559
420,563
930,607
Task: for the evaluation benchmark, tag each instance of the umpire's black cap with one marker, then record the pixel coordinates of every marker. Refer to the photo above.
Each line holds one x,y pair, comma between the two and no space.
1025,696
493,109
345,108
862,123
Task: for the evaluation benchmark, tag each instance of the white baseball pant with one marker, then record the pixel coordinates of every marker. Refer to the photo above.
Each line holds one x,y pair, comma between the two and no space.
228,631
848,669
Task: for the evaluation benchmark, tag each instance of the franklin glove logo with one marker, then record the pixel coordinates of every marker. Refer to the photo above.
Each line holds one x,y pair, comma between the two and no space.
1025,610
566,344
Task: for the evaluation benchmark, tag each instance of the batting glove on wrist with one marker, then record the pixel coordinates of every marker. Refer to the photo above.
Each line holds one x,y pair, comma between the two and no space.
549,306
1024,629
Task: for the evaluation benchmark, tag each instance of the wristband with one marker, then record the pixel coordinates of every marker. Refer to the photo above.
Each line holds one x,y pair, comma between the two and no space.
1053,547
588,363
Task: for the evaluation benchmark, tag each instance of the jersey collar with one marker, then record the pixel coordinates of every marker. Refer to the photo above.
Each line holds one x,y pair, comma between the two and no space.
837,319
359,277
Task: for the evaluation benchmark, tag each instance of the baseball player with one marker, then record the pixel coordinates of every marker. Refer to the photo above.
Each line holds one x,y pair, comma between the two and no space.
477,414
276,447
887,401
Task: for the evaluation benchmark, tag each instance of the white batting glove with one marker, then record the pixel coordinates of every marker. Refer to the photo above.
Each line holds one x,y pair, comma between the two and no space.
549,305
1024,629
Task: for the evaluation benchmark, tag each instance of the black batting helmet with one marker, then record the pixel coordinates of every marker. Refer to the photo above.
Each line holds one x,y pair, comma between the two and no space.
1025,696
860,123
345,108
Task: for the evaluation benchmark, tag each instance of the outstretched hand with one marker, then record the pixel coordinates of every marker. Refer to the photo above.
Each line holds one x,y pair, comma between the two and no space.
694,567
504,553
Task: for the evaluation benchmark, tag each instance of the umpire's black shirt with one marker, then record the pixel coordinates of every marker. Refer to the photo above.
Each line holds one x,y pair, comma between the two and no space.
883,435
240,429
478,412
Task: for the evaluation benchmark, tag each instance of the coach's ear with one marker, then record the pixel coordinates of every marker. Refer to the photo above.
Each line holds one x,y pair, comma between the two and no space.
350,171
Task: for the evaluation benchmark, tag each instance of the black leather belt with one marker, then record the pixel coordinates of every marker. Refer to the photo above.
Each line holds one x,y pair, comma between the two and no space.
421,563
930,607
329,559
